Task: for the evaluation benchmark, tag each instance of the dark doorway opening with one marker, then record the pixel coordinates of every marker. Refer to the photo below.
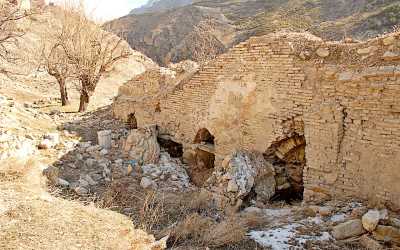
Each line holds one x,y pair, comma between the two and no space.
131,121
174,149
204,157
288,158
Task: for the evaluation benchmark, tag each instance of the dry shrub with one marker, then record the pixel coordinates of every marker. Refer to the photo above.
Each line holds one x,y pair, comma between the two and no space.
225,233
251,220
192,228
202,230
151,213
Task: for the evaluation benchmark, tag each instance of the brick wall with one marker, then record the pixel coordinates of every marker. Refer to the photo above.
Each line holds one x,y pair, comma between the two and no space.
343,97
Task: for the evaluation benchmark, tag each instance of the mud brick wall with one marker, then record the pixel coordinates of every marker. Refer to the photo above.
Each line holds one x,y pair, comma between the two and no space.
343,97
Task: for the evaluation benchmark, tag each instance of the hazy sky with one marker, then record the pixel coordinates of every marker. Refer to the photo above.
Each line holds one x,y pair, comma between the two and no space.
108,9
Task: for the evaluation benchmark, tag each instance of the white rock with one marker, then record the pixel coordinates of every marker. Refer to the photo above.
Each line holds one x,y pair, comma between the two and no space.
63,183
370,220
146,183
383,214
232,186
323,52
53,137
104,151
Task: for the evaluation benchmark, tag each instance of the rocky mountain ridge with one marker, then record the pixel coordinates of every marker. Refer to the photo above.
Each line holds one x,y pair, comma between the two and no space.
203,29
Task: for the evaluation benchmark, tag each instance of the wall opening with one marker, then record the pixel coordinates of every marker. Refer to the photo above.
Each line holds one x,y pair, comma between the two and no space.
204,157
174,149
288,158
131,121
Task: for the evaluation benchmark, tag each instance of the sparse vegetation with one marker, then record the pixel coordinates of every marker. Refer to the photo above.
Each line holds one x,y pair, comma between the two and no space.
88,50
9,31
55,62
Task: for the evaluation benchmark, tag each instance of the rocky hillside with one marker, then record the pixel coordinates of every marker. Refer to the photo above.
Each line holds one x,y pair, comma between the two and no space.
160,5
200,30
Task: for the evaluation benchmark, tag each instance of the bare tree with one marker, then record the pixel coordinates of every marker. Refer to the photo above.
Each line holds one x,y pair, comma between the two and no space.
9,31
55,62
91,51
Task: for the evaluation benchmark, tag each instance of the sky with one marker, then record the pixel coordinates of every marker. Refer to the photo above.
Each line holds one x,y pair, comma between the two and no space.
104,10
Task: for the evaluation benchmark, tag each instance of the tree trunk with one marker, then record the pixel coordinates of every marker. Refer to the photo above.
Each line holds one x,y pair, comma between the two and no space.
84,102
64,93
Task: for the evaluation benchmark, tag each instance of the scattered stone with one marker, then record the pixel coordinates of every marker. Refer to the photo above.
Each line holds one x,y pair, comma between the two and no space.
253,210
52,174
232,186
53,137
85,144
370,220
63,183
83,183
323,211
389,55
89,179
168,174
364,51
104,152
90,162
30,137
348,229
323,52
383,215
146,183
369,243
388,40
81,191
55,112
388,234
394,222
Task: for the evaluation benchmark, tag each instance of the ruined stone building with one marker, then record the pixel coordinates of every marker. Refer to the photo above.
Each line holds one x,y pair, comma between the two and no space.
330,108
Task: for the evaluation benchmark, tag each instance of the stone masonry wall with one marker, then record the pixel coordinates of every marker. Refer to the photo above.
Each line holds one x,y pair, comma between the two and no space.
343,97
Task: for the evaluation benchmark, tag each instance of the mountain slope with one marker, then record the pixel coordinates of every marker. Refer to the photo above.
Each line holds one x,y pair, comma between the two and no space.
160,5
206,27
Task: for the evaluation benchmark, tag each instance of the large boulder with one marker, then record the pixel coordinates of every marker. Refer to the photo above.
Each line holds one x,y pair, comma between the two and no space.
370,220
240,172
348,229
141,145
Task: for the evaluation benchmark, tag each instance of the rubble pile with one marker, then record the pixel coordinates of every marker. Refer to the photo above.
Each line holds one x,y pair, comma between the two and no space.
168,174
242,171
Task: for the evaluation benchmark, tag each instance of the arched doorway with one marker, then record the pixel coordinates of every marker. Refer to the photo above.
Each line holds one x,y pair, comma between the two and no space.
202,163
288,158
131,121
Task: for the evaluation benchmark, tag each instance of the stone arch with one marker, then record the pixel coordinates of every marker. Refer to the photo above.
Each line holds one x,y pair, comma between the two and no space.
288,157
204,136
201,157
131,121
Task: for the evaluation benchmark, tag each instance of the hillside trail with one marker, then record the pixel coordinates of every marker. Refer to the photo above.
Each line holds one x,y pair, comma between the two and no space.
31,216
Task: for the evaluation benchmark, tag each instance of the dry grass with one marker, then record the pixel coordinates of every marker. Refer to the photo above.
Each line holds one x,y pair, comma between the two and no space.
30,218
